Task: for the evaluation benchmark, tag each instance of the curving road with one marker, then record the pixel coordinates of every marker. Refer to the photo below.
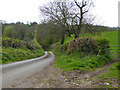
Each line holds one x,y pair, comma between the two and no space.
17,70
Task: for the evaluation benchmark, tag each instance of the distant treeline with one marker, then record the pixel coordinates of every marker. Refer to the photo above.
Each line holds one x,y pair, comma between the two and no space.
47,33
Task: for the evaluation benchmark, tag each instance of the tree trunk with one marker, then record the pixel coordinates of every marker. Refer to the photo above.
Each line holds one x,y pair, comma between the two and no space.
68,31
69,35
76,35
63,38
75,32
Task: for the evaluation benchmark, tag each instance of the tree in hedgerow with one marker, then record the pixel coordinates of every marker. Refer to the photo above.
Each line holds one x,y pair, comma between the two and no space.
9,31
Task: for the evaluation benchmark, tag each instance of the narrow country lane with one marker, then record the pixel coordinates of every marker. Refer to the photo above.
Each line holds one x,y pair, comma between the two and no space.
15,71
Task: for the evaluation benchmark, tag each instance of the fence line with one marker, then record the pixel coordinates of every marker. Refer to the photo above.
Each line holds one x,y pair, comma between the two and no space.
114,51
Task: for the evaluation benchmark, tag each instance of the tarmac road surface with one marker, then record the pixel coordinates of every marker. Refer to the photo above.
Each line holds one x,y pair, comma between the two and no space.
17,70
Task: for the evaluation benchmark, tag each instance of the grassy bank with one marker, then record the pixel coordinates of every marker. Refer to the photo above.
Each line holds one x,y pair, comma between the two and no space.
17,50
109,76
79,61
84,61
11,54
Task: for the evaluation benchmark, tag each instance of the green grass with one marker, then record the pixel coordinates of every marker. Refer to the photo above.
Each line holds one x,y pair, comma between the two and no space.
113,38
17,54
111,35
79,61
82,35
112,72
82,61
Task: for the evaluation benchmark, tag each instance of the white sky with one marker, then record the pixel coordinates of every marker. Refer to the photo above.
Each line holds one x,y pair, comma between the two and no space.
28,10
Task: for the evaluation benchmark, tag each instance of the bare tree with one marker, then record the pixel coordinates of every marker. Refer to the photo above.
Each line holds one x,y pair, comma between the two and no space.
69,15
83,8
59,12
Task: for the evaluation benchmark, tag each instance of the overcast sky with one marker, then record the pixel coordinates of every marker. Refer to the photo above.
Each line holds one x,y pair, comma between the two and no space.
28,10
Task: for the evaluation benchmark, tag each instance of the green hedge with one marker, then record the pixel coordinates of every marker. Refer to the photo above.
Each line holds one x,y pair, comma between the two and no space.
16,43
89,45
101,44
16,50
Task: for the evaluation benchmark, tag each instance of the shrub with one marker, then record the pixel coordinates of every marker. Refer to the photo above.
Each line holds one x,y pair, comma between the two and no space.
94,45
101,44
16,43
64,47
55,46
23,43
9,31
82,45
6,42
33,45
10,42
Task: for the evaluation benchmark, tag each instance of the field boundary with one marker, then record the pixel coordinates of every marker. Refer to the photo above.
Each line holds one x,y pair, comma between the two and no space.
114,50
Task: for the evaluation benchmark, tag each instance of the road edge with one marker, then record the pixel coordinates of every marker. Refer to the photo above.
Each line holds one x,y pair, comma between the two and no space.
19,63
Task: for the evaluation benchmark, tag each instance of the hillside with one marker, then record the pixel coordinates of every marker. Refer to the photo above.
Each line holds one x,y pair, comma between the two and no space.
17,50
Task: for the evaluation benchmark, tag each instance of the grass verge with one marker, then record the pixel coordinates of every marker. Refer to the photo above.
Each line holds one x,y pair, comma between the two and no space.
112,72
79,61
17,54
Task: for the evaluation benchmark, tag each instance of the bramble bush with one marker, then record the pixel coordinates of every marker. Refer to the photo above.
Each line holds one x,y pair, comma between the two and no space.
93,45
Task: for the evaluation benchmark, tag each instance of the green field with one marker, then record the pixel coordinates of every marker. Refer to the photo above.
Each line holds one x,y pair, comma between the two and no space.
113,38
83,35
111,35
